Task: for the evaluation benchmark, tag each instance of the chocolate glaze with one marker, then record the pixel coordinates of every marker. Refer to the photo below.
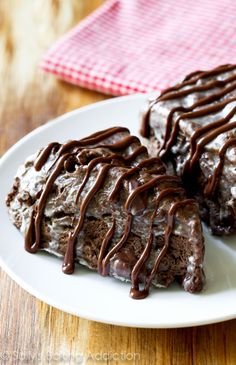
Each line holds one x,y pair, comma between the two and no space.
68,156
204,106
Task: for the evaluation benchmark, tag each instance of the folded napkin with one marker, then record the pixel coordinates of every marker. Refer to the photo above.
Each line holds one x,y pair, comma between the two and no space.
129,46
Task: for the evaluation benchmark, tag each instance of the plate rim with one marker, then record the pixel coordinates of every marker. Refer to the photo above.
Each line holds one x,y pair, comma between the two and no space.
66,115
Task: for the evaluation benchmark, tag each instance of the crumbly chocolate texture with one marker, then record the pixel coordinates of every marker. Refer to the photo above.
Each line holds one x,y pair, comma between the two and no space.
63,207
192,125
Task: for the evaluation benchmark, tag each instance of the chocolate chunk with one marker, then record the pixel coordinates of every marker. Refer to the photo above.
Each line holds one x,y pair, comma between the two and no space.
103,202
193,126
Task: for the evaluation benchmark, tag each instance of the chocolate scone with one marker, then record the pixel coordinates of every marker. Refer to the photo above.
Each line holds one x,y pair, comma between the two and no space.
193,126
104,203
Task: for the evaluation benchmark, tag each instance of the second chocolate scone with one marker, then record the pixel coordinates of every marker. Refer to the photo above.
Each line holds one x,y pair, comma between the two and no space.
193,126
103,202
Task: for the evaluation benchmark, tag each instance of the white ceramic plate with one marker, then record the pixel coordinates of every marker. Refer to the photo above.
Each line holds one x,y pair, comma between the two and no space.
85,293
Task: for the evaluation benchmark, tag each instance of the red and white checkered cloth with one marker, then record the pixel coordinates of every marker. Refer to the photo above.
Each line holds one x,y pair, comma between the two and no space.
129,46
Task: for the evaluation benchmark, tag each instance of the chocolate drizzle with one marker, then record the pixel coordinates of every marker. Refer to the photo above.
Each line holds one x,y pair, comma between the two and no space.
218,97
210,188
70,156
